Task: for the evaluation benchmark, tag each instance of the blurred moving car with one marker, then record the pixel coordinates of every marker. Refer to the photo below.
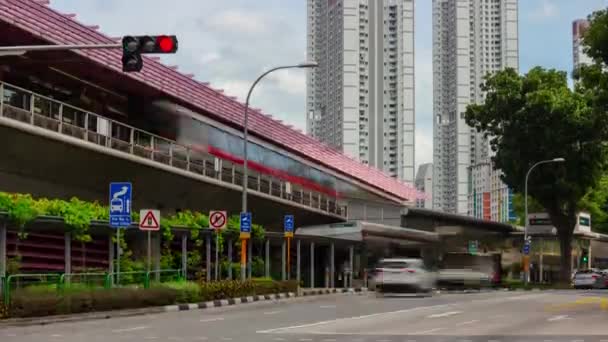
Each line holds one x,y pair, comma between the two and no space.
463,278
590,279
402,276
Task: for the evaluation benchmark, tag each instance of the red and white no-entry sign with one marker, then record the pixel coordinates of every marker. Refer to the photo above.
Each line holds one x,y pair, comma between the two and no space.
218,220
149,219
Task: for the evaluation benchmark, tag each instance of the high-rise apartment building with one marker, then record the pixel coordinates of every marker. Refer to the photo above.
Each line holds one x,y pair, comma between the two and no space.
471,38
579,56
489,197
361,97
424,183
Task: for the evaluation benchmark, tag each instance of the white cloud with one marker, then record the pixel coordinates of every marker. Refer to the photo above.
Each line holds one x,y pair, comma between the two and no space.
240,22
424,147
210,57
547,9
291,81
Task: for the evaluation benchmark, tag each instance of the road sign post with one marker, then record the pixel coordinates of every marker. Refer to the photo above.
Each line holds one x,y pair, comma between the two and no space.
149,221
245,235
217,221
288,225
120,214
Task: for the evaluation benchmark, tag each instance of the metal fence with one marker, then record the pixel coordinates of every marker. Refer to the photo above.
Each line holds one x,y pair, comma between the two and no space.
60,282
41,111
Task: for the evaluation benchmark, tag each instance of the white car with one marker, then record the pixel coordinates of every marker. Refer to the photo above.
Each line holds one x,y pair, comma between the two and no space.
402,275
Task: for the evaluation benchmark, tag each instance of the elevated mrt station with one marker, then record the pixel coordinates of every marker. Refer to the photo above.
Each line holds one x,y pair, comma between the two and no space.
71,122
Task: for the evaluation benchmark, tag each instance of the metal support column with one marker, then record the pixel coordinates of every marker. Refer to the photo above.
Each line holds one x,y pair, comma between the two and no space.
589,257
332,266
351,264
185,255
2,254
283,264
540,261
298,260
67,255
249,257
157,253
111,257
312,265
208,256
267,258
229,258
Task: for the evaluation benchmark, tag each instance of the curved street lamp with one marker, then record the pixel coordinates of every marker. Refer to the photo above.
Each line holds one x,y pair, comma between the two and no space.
554,160
245,132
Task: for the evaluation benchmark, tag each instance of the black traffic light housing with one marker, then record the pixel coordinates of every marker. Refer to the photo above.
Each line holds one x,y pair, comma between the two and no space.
134,46
584,256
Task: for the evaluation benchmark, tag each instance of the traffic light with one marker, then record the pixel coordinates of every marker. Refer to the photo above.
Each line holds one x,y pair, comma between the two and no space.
134,46
584,256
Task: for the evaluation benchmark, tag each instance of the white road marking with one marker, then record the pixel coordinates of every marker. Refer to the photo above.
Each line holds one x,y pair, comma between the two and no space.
129,329
272,312
329,340
558,318
279,339
351,318
493,340
427,331
383,340
305,339
173,338
202,338
56,335
226,338
327,306
465,341
445,314
150,338
212,319
10,335
468,322
548,341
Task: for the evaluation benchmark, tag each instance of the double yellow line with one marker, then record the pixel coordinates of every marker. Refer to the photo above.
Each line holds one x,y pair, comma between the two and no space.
584,301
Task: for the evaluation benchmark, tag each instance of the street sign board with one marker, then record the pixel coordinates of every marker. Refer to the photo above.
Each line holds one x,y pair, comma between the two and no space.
245,225
149,219
288,225
527,247
218,219
120,204
473,247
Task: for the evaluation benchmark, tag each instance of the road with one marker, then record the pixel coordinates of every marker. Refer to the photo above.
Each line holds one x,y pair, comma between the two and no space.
573,316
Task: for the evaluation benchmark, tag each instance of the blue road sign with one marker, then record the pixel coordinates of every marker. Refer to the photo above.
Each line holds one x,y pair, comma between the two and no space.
246,223
527,249
120,204
288,223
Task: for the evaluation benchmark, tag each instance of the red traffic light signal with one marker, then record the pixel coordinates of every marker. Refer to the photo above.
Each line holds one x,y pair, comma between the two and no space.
166,44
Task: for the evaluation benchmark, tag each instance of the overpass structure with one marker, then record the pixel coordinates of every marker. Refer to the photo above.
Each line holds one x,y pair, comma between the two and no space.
71,122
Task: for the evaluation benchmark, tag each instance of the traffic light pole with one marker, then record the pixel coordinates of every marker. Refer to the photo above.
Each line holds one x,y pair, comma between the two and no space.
19,50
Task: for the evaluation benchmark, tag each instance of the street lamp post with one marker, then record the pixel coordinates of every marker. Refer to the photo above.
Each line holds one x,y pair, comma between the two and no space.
245,137
554,160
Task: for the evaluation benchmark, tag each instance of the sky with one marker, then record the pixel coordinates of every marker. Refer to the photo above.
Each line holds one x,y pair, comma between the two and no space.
230,42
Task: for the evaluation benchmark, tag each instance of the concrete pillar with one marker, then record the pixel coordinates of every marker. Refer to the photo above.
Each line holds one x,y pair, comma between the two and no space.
351,263
249,257
229,258
208,256
298,260
185,255
2,254
312,265
67,258
283,264
332,266
267,258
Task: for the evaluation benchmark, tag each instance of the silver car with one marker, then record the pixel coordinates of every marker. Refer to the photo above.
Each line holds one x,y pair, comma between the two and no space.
589,279
402,275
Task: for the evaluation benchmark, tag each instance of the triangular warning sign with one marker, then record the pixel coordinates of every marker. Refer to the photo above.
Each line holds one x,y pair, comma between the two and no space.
149,221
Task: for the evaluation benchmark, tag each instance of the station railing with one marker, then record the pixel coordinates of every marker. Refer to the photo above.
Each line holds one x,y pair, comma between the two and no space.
28,107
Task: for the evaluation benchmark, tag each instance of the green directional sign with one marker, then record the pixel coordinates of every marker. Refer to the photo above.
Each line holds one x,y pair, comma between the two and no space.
473,246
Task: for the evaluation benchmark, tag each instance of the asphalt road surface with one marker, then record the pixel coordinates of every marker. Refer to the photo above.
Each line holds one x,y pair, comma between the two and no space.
551,316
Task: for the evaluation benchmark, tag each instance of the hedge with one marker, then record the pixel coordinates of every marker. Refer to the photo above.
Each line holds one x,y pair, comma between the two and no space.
26,303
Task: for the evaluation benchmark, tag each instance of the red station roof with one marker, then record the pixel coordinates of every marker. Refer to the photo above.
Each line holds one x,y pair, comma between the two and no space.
56,28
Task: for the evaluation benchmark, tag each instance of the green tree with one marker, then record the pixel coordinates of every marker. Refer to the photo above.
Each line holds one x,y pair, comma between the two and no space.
537,117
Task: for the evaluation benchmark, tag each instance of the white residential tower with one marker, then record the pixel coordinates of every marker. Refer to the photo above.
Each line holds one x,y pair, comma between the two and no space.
471,38
361,97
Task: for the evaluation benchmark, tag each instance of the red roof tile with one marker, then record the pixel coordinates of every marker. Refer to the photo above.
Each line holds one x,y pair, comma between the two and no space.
48,24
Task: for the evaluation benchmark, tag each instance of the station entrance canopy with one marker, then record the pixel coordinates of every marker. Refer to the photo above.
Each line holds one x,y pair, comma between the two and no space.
367,232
